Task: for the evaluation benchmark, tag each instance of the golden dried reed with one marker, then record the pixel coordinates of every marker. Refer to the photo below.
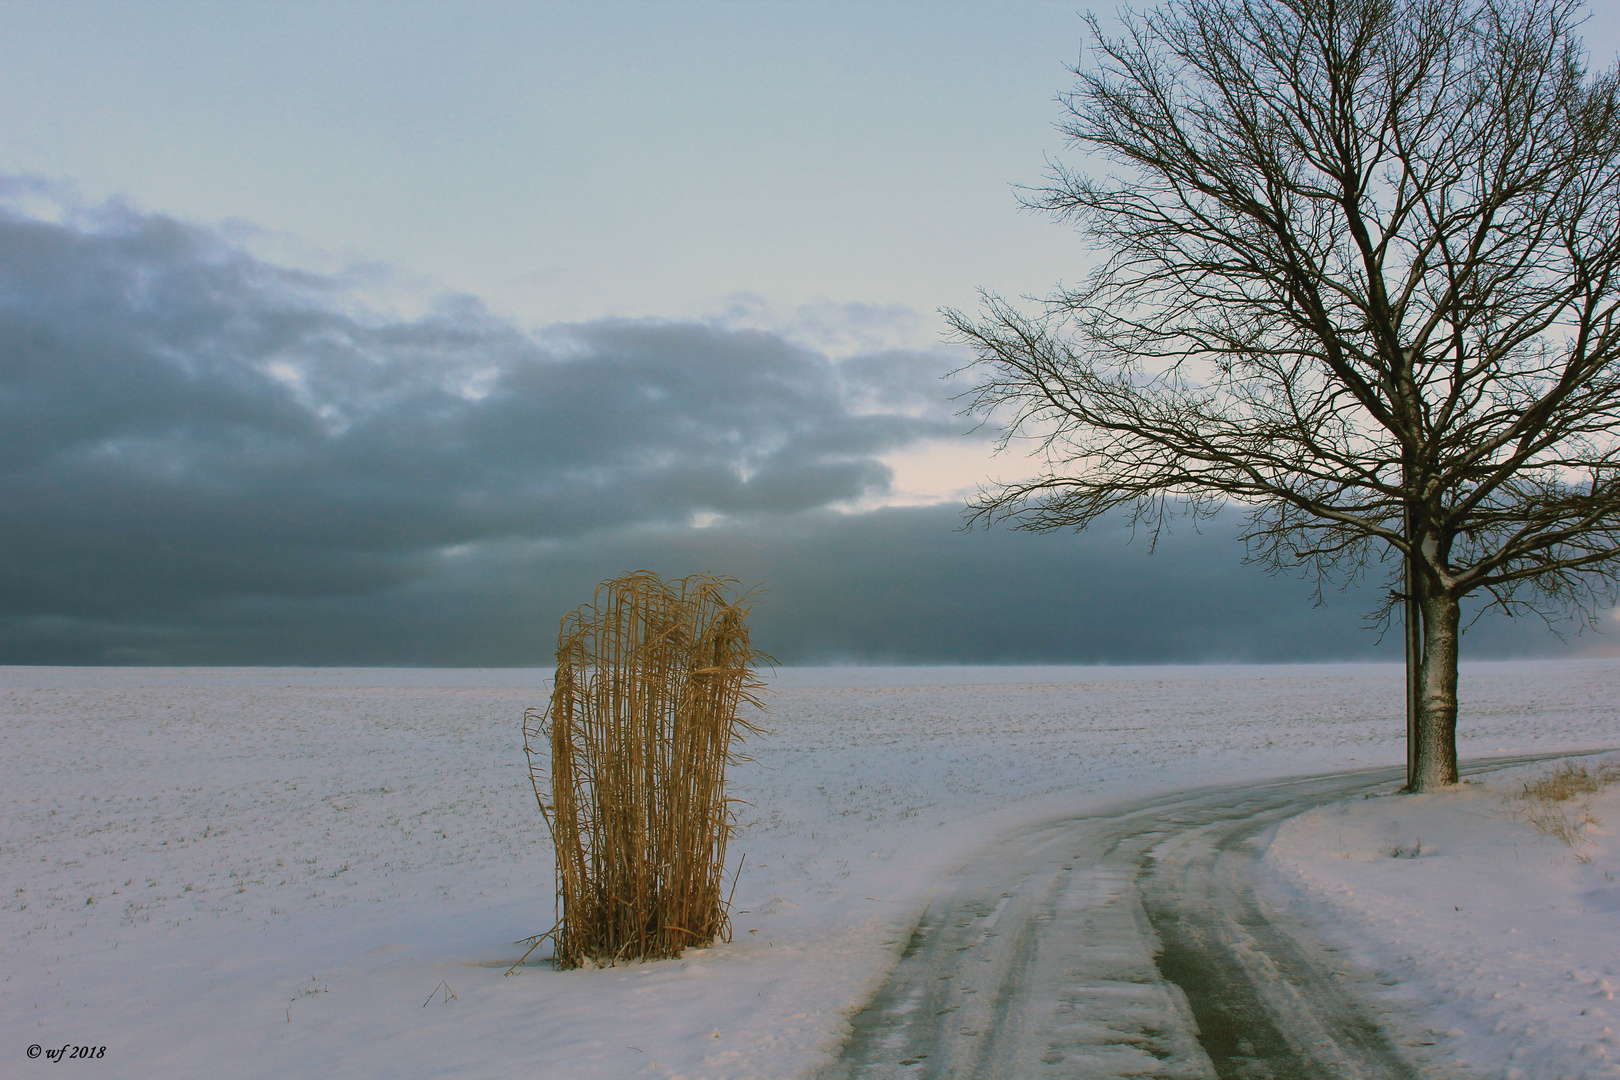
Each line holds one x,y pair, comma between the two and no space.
641,726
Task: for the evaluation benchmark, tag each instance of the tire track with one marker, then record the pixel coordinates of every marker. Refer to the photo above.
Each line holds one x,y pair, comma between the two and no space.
1126,943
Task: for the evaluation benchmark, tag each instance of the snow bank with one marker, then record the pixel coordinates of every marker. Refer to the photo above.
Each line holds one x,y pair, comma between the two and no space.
269,872
1493,949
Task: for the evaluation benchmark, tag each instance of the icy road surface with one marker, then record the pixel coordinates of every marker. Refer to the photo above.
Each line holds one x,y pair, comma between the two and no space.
1127,943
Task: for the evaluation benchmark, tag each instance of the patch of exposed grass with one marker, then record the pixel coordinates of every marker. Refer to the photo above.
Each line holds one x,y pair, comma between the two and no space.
1545,801
1570,780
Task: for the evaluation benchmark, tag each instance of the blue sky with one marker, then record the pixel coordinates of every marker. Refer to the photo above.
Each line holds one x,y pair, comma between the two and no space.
370,237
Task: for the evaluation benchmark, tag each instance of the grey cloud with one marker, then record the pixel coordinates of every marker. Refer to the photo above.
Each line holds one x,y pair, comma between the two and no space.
179,422
207,459
898,585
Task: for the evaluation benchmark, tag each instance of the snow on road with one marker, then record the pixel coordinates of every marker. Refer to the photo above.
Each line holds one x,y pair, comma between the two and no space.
257,872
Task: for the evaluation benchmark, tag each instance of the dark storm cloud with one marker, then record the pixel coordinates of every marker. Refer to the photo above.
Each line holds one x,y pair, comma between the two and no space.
208,459
898,585
180,422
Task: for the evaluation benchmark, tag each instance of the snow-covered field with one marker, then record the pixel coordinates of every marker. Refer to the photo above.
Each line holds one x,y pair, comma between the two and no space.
268,872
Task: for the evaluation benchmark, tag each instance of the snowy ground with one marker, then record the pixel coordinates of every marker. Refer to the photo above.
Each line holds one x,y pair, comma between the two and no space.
258,872
1494,947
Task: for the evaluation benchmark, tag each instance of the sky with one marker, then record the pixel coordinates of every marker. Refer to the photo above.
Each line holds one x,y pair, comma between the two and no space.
379,333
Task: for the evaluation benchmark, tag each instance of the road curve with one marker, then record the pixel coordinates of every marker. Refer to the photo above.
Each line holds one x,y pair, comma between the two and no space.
1125,943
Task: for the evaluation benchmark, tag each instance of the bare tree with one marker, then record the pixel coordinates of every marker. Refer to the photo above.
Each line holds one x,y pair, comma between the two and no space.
1358,274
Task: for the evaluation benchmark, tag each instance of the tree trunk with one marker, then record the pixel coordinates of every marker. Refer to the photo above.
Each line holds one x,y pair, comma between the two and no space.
1435,740
1412,618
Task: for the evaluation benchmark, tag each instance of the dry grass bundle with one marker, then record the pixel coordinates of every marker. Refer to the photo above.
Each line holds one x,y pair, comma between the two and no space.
1570,780
641,726
1544,798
